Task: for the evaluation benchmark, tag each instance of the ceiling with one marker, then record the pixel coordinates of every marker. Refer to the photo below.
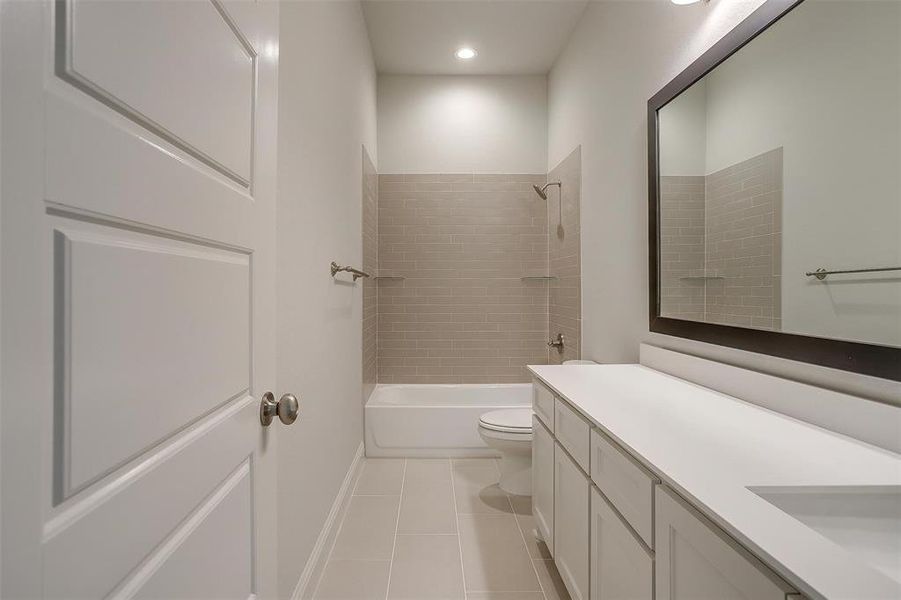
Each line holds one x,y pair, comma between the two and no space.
419,37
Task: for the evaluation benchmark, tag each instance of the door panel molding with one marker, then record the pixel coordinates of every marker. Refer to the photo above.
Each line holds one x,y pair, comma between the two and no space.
108,285
91,169
65,68
236,488
191,468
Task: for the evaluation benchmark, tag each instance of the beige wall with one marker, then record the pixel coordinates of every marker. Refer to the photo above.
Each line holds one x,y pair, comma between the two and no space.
326,113
462,242
564,258
597,97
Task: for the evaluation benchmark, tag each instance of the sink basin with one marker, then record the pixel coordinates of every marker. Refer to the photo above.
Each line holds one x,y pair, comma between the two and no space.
864,520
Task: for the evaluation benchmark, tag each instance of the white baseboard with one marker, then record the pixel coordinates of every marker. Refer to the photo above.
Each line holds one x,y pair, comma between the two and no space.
312,571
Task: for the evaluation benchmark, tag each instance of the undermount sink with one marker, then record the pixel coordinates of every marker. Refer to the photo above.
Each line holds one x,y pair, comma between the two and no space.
864,520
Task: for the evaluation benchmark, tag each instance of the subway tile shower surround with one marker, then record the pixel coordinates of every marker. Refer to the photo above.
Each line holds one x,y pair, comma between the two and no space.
564,258
462,244
370,265
721,244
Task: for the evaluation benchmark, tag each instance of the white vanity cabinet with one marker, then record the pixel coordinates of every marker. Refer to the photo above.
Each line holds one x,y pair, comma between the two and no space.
622,567
572,490
543,481
697,560
616,532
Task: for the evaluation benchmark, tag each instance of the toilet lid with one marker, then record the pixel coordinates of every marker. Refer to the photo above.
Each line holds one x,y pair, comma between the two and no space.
513,420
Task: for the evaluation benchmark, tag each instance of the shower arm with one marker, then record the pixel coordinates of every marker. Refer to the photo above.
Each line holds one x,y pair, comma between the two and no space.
336,268
559,186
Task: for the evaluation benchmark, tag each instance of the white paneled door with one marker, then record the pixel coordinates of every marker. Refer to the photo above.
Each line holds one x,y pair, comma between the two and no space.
138,225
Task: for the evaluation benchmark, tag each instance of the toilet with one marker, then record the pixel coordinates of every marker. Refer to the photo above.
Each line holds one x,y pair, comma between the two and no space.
509,431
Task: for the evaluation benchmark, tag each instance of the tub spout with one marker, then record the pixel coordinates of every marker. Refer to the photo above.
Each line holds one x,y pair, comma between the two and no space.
557,342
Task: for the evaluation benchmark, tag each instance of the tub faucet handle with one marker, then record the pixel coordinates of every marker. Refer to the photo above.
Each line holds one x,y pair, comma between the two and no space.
557,342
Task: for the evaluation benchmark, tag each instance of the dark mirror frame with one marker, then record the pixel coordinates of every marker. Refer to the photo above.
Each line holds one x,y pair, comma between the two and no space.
867,359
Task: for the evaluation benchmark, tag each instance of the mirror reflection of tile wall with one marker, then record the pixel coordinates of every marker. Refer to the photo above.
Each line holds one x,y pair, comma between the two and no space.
721,244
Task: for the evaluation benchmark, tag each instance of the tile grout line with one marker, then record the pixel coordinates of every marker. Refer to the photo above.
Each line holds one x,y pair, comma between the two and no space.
376,495
400,501
522,534
450,463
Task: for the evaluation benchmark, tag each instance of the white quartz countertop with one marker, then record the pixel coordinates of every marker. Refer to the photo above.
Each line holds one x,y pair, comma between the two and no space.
711,448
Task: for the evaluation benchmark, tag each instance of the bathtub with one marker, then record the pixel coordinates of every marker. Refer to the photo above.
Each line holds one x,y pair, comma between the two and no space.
435,420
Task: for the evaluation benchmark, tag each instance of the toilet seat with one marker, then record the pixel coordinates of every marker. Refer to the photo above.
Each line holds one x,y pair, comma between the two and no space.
517,421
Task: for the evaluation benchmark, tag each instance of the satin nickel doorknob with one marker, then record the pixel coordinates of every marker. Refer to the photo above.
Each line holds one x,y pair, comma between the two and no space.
286,408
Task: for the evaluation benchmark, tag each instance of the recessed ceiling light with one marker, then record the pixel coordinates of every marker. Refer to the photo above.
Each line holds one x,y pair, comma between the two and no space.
465,53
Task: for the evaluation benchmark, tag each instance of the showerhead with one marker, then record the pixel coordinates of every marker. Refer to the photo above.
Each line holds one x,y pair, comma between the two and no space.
542,190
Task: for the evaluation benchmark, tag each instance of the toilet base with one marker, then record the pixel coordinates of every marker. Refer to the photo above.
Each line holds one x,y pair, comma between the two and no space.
516,474
516,459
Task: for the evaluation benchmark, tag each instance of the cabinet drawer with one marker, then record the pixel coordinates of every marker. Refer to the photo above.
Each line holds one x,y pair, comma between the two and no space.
543,403
621,566
573,432
628,485
696,559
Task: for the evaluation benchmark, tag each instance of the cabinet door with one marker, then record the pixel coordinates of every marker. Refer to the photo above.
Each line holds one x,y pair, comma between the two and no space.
543,481
697,561
571,523
622,568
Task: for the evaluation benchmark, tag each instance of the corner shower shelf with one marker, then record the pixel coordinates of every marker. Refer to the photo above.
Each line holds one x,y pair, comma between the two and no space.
538,278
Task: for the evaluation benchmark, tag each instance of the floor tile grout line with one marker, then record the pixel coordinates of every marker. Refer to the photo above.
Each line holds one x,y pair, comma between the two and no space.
400,501
522,535
466,593
450,464
376,495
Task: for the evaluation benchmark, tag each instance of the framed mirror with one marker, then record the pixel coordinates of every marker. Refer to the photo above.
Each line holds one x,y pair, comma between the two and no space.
775,188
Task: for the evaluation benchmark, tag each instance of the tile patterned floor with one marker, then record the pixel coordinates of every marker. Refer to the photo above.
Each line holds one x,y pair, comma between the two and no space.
420,529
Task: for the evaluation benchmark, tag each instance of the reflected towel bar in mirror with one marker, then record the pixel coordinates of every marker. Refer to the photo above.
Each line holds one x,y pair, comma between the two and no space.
336,268
822,273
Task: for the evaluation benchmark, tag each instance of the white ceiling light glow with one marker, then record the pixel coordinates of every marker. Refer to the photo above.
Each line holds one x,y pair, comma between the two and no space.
465,53
684,2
